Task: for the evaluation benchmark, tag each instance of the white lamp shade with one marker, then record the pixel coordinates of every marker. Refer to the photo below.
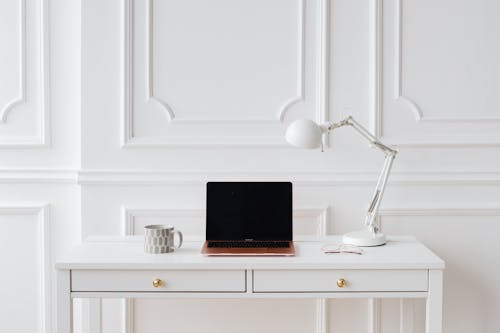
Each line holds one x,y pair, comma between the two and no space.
304,133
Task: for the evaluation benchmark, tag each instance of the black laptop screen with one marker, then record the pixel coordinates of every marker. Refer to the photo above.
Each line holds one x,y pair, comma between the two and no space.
249,210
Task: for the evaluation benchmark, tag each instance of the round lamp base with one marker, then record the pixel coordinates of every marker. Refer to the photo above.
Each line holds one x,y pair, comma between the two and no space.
364,238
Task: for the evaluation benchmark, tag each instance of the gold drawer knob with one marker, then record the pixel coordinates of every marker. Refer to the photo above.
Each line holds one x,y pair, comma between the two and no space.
157,283
341,283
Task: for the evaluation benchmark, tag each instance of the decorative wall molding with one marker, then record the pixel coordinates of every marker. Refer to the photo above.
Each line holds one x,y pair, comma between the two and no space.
38,176
129,140
149,64
429,211
21,97
300,84
376,61
320,216
127,119
299,177
399,94
41,212
282,110
378,80
129,216
41,139
323,91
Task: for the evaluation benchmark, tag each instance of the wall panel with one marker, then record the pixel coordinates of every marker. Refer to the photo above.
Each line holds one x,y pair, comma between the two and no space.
24,88
436,82
246,66
26,266
308,222
39,222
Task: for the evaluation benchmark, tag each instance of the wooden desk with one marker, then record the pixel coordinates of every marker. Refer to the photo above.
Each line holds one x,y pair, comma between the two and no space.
118,267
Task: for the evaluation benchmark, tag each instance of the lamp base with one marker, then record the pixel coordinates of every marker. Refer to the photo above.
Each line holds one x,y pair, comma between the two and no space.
364,238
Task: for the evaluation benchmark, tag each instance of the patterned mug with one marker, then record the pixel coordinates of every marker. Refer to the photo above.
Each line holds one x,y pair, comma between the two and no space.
160,238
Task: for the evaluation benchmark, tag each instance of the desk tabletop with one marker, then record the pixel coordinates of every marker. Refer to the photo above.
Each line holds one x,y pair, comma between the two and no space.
127,253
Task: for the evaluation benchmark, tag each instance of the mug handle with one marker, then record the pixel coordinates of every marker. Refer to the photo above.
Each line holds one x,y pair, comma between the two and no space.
180,238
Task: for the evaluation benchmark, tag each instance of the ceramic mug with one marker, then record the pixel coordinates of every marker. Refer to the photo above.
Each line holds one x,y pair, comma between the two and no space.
160,238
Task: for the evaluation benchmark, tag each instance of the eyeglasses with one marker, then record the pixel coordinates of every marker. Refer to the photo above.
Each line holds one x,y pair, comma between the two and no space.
341,248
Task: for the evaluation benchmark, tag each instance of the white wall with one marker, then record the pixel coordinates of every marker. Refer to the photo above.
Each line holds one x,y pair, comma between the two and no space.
175,93
39,155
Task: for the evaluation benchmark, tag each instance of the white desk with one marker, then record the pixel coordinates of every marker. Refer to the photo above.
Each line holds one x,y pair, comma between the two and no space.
118,267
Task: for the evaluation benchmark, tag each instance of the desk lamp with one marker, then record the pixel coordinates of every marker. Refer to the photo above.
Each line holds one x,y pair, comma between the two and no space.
307,134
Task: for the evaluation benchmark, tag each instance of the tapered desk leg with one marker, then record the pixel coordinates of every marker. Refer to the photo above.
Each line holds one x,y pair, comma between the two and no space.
434,320
64,302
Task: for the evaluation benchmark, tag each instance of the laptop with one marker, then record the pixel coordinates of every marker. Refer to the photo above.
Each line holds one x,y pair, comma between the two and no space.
249,219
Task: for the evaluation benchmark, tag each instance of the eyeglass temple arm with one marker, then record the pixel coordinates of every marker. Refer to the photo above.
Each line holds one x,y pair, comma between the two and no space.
390,155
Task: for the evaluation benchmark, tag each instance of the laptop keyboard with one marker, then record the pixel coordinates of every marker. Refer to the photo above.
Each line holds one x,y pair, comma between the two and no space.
246,244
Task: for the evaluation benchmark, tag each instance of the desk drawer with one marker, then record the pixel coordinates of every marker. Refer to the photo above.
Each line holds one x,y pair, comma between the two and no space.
326,280
170,280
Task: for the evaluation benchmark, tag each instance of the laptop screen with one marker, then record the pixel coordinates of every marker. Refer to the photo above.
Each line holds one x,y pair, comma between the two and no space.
249,211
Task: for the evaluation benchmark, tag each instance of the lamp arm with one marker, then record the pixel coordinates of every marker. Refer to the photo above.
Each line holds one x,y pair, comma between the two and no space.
349,121
371,214
390,155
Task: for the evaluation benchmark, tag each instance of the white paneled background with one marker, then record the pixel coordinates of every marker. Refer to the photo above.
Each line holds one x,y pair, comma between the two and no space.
114,114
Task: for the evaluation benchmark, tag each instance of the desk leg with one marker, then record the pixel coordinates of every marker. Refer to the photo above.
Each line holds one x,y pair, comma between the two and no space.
434,311
64,302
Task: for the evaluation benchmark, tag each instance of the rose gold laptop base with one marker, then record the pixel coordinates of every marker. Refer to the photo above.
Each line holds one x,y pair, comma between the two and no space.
238,251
